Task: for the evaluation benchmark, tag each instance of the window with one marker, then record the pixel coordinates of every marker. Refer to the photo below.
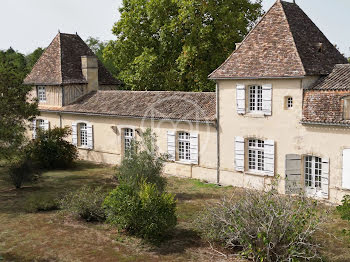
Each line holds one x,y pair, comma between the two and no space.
83,134
346,108
40,124
42,94
289,102
128,136
313,172
255,155
184,146
255,98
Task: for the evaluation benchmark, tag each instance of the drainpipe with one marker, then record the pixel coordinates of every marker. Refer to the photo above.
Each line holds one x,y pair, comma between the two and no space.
60,119
217,134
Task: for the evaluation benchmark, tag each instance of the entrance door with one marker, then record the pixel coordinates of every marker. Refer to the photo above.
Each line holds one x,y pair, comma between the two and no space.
313,175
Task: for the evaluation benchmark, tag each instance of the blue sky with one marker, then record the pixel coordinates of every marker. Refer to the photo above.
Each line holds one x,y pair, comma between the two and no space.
27,24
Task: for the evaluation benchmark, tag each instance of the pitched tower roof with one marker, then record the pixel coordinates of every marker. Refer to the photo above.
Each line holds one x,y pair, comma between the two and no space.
285,43
61,63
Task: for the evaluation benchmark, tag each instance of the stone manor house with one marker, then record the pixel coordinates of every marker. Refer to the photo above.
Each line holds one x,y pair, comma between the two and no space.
281,107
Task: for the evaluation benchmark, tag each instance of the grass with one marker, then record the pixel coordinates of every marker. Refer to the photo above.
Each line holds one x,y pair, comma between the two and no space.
29,235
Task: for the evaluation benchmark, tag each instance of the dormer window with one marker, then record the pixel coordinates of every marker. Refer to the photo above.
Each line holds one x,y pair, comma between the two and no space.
42,93
346,108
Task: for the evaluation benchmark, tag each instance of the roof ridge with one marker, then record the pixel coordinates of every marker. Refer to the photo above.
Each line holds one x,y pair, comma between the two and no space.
290,32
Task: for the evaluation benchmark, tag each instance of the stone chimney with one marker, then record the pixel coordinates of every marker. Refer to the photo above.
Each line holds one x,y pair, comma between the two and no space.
89,67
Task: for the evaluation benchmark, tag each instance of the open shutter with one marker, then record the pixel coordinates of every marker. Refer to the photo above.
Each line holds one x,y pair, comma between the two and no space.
46,125
171,145
75,134
90,136
267,99
194,148
269,157
293,181
239,153
325,178
346,169
240,99
34,129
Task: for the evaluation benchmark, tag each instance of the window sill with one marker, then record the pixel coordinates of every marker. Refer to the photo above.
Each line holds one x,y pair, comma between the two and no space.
183,162
255,173
83,148
255,115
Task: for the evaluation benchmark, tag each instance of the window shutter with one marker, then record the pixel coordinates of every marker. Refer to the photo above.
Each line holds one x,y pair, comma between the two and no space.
269,157
34,129
325,177
293,183
239,153
74,134
267,99
171,145
46,125
194,148
346,169
90,136
240,99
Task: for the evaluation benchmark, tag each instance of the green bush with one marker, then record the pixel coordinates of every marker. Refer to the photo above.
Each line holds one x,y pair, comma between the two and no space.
265,225
344,208
51,150
144,163
147,213
85,203
22,170
41,203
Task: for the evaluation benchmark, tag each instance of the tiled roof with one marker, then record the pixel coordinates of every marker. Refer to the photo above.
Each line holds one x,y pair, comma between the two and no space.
61,64
285,43
324,107
338,79
187,106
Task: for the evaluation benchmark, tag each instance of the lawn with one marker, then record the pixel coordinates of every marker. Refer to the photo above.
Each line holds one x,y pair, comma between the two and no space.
50,236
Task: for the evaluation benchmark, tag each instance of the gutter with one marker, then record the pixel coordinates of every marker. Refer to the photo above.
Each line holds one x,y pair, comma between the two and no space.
324,124
249,78
212,123
217,134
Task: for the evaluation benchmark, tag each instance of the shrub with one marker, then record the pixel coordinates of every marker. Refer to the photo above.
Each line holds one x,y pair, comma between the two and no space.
22,170
344,208
144,163
267,226
85,203
41,203
50,150
147,213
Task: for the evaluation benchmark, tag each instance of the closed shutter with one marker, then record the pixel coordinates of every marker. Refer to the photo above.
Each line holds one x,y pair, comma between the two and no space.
269,157
90,136
46,125
346,169
239,153
325,178
194,148
75,134
171,145
293,183
267,99
34,129
240,99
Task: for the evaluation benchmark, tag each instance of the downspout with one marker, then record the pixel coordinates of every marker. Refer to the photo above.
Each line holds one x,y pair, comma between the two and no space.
217,134
60,119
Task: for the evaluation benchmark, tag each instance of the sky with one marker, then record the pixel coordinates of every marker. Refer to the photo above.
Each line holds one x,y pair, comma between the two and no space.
28,24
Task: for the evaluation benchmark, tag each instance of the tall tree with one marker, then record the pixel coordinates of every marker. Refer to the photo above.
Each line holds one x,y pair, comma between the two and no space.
15,109
175,44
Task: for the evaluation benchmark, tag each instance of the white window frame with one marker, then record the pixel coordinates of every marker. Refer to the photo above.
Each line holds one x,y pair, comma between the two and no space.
255,99
42,93
313,172
83,134
289,102
40,123
128,136
184,146
256,155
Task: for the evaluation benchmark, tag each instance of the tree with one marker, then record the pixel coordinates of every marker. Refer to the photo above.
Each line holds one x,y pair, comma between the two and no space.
173,44
15,109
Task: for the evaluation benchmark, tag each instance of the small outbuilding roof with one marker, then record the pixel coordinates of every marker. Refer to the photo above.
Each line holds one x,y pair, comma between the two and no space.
61,64
183,106
285,43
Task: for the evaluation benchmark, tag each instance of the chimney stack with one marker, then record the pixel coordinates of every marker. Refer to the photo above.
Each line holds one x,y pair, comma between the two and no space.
89,67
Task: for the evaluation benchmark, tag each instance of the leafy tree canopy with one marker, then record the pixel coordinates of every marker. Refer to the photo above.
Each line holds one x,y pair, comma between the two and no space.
175,44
